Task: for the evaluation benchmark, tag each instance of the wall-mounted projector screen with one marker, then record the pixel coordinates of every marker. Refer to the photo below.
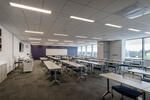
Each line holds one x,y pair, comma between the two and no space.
56,52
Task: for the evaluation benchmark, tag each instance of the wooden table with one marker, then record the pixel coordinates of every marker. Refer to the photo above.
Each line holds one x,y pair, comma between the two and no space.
91,63
73,64
142,86
43,58
52,66
54,58
143,72
95,60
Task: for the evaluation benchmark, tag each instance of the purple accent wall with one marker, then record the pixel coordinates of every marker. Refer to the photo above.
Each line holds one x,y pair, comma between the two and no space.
40,51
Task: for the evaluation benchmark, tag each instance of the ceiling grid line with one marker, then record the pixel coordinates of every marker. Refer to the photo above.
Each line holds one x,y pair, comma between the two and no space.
25,17
41,16
57,16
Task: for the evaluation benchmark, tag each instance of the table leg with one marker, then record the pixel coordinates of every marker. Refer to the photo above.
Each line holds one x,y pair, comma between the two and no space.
108,91
55,75
102,66
144,98
55,81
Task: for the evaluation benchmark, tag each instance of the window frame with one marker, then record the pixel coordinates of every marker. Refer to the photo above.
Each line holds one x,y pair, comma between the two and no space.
143,48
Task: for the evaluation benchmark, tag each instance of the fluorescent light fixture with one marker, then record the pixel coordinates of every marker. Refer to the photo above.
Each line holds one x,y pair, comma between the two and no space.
135,30
35,39
112,25
60,34
82,19
35,42
35,32
30,8
135,10
81,37
147,32
53,40
97,38
67,41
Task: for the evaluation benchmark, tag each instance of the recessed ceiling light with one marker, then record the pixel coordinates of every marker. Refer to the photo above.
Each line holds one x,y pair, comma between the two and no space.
135,30
81,37
35,39
112,25
60,34
53,40
82,19
35,32
30,8
67,41
97,38
147,32
34,42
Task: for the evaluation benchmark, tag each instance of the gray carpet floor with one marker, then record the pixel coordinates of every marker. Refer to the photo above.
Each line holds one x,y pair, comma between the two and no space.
36,86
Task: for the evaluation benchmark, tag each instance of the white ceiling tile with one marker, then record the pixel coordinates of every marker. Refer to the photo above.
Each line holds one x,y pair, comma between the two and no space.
72,8
100,4
87,12
82,1
118,5
54,5
102,11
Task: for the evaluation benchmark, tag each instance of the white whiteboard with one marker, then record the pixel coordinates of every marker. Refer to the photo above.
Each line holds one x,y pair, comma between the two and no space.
56,52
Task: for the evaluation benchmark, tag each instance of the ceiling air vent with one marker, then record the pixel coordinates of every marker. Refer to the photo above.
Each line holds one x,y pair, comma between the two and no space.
134,11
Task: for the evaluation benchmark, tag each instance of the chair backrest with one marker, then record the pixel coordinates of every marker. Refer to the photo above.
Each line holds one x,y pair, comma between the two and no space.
132,76
147,69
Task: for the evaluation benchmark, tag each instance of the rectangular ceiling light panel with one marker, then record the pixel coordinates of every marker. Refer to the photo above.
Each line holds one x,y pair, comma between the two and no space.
82,19
30,8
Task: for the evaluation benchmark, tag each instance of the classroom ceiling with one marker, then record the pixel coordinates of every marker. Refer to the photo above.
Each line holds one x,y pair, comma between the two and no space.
17,20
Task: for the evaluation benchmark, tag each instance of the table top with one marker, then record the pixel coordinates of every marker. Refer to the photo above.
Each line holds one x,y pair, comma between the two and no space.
140,85
90,62
94,60
55,58
146,67
51,66
72,63
43,58
144,72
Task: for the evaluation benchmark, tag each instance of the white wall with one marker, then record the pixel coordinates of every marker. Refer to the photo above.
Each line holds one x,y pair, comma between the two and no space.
116,50
10,49
103,49
110,50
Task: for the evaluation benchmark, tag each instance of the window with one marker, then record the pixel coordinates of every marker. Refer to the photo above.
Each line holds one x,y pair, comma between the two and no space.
134,49
89,50
83,50
94,50
147,48
79,51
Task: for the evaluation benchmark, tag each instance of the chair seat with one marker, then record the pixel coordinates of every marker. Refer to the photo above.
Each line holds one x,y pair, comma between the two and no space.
129,92
112,66
146,79
124,65
77,70
97,68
